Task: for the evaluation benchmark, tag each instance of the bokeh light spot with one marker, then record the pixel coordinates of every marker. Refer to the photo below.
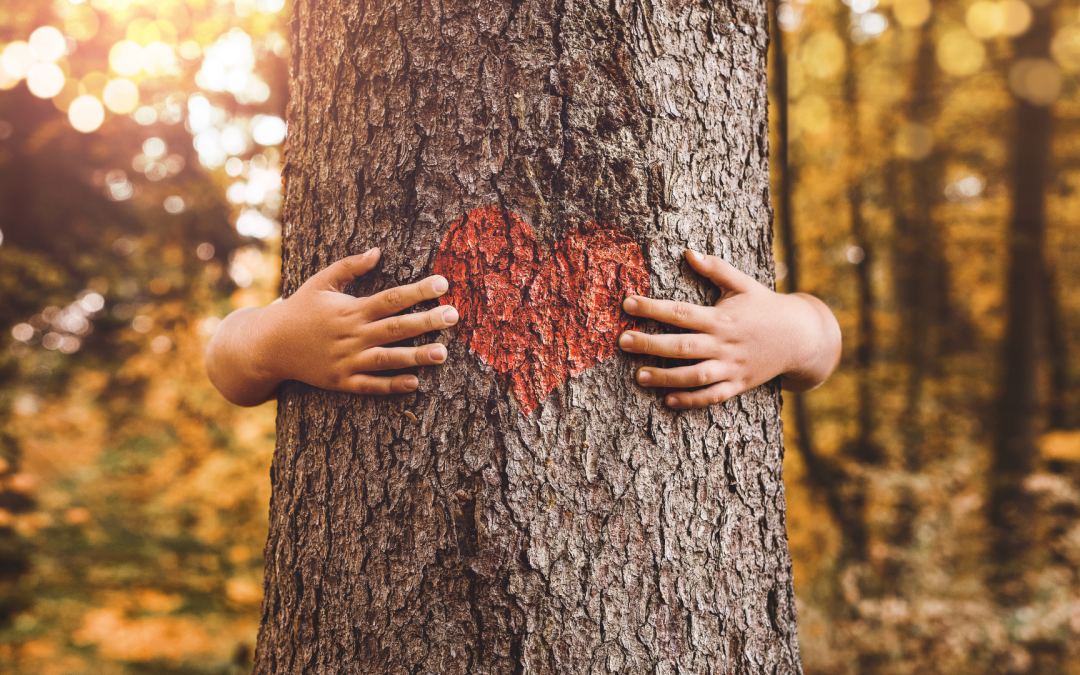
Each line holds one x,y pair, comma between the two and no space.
268,129
23,332
161,344
143,31
233,141
237,193
958,53
17,59
822,54
146,115
142,323
6,80
47,44
45,80
176,13
234,166
154,147
69,344
966,187
873,24
82,23
200,113
985,19
190,50
92,302
175,204
126,58
208,325
156,171
158,58
121,96
1037,81
1016,17
251,223
86,114
1066,48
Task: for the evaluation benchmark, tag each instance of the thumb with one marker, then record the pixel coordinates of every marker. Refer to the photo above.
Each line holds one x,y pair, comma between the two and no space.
339,274
720,272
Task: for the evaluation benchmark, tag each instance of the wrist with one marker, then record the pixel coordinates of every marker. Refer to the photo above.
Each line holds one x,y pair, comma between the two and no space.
268,344
818,344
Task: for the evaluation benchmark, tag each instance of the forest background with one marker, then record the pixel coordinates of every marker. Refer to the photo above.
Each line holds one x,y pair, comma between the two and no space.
926,163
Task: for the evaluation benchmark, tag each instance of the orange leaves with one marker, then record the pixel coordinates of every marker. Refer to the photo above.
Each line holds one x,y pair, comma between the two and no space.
142,639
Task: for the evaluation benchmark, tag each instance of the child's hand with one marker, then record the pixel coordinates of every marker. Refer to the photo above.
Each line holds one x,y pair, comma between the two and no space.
328,339
749,337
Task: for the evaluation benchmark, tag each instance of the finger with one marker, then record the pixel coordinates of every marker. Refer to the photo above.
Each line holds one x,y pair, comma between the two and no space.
697,375
362,383
383,358
338,275
702,398
694,346
404,326
720,272
682,314
393,300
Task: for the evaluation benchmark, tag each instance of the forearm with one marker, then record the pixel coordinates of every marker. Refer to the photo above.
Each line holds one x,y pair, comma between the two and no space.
236,360
818,347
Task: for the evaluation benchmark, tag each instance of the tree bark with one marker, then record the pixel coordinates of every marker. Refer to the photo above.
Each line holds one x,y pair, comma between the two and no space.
458,529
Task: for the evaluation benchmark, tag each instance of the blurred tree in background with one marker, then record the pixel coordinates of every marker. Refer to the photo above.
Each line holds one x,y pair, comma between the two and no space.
139,188
926,161
925,187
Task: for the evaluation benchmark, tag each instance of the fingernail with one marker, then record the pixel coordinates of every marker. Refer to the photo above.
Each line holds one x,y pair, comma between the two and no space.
440,284
370,251
672,401
450,315
625,340
411,383
437,353
644,376
692,254
630,304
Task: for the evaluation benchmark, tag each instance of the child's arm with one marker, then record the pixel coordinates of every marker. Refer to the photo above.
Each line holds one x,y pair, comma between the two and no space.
326,338
749,337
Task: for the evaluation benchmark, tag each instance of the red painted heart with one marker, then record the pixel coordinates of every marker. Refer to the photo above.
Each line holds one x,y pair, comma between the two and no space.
538,318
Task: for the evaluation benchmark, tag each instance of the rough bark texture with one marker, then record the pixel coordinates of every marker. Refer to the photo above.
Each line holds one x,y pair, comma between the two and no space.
600,532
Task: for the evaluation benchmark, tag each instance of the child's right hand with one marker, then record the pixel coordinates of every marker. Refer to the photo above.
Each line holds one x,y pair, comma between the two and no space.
328,339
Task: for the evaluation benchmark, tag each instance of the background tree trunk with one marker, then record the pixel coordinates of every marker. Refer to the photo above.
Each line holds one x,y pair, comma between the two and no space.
1019,403
600,532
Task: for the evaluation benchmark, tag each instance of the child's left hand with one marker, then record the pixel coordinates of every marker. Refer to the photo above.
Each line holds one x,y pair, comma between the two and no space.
749,337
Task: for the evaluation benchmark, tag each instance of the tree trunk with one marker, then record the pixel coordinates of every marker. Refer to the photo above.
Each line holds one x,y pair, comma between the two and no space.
922,274
825,475
865,449
1060,409
1019,405
530,508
